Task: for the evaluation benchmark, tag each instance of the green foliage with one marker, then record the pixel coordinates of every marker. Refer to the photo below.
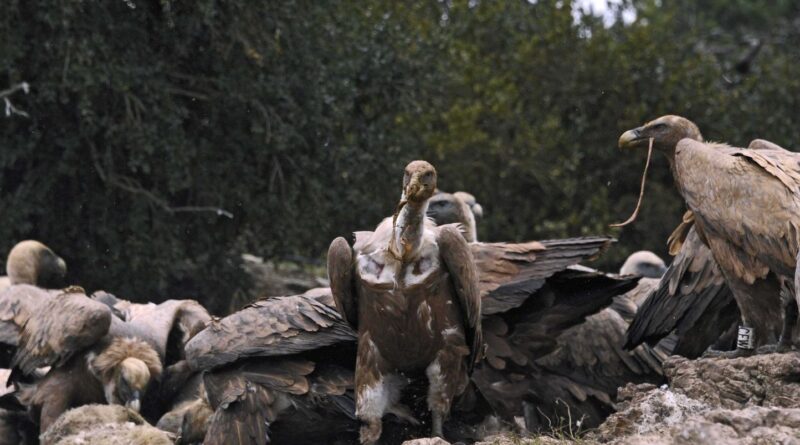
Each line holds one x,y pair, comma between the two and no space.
297,117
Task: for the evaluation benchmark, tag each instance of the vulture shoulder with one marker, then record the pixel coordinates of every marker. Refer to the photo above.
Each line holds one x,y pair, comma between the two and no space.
17,304
169,325
746,202
271,327
692,300
61,327
457,259
340,276
509,273
763,144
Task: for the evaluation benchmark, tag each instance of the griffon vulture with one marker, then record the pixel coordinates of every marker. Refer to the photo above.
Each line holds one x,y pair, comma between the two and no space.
95,357
410,288
307,328
746,209
447,208
643,264
31,262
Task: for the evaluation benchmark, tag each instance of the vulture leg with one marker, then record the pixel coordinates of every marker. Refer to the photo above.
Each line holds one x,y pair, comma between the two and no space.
447,377
789,304
376,391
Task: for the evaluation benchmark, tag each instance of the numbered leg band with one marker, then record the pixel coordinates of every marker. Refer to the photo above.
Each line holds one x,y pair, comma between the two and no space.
745,339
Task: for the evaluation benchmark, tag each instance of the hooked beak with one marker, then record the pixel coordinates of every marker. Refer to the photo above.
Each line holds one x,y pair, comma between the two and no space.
631,138
413,188
134,403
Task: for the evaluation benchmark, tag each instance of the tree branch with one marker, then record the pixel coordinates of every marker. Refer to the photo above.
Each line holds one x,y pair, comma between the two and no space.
5,94
133,186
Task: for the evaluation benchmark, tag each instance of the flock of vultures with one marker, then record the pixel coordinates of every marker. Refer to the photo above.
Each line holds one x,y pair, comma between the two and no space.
424,330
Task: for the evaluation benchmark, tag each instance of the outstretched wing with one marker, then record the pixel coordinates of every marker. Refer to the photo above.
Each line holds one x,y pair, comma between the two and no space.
61,327
270,327
692,300
340,275
511,272
458,261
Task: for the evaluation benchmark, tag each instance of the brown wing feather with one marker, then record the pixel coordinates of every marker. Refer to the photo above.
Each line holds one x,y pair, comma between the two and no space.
458,261
511,272
692,300
271,327
340,275
61,327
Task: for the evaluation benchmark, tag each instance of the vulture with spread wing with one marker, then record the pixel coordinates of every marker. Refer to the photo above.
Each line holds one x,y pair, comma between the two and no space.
307,328
410,288
745,205
96,357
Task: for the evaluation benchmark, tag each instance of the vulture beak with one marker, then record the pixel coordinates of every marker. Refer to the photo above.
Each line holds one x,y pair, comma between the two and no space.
631,138
134,403
413,187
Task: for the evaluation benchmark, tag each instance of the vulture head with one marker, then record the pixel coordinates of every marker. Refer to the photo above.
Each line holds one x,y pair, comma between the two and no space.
470,200
126,368
644,264
31,262
419,182
666,132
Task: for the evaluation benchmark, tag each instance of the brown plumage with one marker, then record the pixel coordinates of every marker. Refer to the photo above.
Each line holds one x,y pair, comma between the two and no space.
17,304
96,357
746,209
529,282
31,262
411,288
692,302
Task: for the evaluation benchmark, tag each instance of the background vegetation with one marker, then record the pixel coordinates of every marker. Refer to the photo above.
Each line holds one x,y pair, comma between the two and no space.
297,117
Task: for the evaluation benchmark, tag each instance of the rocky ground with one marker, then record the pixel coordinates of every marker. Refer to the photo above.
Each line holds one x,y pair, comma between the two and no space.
744,401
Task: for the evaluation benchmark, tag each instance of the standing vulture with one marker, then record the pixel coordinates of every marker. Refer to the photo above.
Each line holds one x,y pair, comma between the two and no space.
31,262
410,288
746,209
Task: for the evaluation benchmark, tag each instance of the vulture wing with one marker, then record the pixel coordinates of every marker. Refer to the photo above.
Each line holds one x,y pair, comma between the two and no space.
511,272
749,207
340,275
271,327
458,261
61,327
259,396
692,300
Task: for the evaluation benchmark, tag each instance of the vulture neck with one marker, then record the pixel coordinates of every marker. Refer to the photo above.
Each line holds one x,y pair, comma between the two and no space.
409,225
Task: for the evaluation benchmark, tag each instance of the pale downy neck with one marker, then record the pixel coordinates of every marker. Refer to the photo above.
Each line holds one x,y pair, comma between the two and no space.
409,225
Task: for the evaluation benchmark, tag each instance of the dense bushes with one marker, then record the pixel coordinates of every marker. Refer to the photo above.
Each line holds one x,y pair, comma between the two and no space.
297,116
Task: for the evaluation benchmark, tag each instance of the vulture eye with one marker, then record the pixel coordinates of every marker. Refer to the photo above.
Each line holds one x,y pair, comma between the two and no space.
659,126
428,175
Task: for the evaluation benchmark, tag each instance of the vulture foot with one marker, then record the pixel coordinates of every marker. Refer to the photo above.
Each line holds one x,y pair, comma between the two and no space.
780,347
370,432
736,353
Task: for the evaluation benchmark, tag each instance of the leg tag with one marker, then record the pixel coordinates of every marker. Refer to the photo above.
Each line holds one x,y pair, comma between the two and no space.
745,338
